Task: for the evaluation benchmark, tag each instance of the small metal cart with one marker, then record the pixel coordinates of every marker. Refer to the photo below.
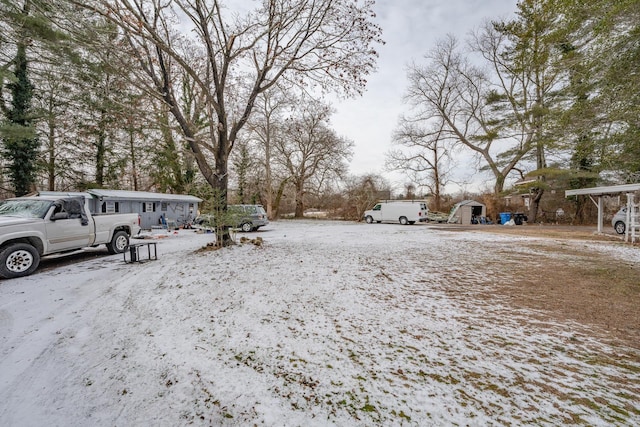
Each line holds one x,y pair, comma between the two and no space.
133,251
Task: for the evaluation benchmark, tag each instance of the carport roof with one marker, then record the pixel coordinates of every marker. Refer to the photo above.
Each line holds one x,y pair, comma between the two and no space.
599,192
602,191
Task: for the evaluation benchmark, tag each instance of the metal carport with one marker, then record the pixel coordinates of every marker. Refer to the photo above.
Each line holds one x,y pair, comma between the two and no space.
613,190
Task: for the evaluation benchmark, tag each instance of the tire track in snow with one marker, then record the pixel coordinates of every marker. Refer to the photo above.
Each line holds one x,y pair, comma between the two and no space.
6,324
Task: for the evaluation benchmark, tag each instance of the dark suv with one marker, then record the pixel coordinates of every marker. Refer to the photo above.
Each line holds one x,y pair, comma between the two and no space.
245,217
248,217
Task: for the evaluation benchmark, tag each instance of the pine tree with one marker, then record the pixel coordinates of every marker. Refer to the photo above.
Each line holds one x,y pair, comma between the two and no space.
21,144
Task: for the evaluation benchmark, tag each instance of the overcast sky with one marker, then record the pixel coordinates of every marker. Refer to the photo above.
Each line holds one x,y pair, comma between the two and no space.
410,28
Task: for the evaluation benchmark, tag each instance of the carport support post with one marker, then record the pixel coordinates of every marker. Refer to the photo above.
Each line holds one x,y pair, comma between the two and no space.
630,219
600,214
599,206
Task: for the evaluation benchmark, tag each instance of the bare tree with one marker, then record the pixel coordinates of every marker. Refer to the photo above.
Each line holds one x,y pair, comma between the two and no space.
500,114
422,155
363,192
266,126
526,58
230,57
452,91
312,153
55,103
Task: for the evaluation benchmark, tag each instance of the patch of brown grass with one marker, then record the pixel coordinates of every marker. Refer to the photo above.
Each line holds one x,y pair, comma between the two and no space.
568,283
597,291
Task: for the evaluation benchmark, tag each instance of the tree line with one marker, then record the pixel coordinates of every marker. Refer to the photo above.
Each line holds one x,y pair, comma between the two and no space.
550,96
224,100
173,95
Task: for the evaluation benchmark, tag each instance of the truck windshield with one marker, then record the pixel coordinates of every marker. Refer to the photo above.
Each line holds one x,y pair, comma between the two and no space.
25,208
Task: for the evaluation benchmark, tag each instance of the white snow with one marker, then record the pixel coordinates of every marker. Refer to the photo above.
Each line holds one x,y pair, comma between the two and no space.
326,323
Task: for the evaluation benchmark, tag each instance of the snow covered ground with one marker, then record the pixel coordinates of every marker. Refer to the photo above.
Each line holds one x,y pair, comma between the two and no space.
326,323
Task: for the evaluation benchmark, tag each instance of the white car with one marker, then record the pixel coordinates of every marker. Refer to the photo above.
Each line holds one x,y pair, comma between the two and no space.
619,221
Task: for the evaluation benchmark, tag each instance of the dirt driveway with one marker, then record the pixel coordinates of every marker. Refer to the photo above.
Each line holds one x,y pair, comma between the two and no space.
589,290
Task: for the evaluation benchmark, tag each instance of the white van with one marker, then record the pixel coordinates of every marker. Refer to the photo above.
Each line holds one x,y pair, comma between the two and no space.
402,211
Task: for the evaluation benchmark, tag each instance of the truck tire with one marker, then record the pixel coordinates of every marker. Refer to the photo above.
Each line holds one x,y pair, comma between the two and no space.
403,220
620,227
369,219
118,243
18,259
246,227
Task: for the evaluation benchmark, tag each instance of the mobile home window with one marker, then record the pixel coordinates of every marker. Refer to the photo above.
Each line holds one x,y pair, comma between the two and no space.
110,207
163,207
148,207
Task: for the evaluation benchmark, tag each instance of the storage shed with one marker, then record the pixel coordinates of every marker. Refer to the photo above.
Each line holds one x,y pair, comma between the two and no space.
180,208
466,211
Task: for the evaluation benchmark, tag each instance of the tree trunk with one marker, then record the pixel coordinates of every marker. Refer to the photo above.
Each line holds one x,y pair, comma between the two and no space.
134,163
279,194
223,237
534,204
499,186
299,201
581,211
268,178
51,153
101,141
437,198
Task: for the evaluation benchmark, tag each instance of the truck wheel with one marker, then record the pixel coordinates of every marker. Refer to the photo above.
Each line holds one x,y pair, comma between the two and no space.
246,227
619,227
403,220
369,219
118,243
17,260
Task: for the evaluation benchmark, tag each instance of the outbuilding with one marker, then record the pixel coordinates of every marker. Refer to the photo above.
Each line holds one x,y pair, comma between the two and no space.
152,207
466,212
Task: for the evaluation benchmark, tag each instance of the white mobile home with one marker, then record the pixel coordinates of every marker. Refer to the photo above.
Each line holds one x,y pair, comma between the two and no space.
402,211
179,208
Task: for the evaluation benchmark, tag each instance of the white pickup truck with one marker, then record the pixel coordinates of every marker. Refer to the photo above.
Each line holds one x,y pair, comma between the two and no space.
31,227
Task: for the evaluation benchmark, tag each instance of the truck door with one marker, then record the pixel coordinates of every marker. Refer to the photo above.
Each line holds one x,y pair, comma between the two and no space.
65,230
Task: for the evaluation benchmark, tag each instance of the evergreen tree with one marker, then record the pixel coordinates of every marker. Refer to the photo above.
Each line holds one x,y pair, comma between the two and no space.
604,39
242,165
534,61
21,144
30,42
